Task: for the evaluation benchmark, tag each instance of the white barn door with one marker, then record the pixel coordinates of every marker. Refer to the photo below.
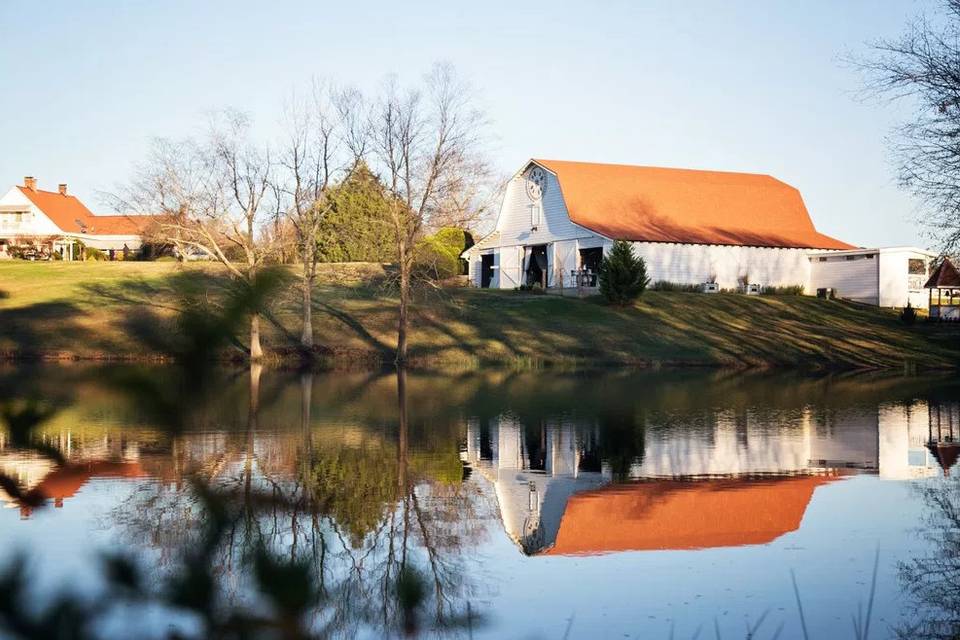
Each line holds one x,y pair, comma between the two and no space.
564,261
508,276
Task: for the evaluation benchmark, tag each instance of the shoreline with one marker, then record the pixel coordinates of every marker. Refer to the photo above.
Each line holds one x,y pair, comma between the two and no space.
358,360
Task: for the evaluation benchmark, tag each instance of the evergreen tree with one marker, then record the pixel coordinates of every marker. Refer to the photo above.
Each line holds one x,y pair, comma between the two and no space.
623,275
438,256
358,228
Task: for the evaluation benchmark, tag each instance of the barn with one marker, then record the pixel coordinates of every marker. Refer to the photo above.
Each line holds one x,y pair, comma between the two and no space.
558,218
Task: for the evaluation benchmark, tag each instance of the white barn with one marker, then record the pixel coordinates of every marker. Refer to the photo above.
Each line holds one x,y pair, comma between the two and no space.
558,218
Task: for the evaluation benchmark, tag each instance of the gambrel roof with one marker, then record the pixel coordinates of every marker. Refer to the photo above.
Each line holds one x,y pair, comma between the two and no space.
655,204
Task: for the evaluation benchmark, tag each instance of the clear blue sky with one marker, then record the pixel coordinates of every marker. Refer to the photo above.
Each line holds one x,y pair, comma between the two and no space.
743,86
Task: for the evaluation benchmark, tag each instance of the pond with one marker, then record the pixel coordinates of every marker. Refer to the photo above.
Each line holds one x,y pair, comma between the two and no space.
650,504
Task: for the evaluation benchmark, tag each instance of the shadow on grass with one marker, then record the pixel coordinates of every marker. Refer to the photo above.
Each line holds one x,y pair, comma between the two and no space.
357,320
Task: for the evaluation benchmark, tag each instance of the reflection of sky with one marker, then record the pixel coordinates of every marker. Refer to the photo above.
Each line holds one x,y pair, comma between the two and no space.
638,594
632,594
872,453
64,541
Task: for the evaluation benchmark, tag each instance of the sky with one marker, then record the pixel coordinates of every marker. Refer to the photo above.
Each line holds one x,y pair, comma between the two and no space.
755,86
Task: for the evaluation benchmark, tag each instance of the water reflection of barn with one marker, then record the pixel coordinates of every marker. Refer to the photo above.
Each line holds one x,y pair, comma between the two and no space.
693,478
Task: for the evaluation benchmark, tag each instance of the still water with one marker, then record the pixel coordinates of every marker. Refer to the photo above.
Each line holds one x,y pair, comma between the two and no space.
535,505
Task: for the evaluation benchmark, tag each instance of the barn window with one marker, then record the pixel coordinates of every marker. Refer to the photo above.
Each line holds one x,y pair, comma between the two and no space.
823,259
851,258
917,267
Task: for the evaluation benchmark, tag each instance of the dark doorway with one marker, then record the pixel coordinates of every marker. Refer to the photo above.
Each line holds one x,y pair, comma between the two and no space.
537,266
590,260
486,270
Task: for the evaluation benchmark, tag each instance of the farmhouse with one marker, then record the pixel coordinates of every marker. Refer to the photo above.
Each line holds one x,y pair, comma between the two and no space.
44,223
558,218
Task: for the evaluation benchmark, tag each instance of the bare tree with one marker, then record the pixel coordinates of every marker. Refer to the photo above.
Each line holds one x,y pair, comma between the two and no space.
169,184
426,147
214,196
924,65
321,144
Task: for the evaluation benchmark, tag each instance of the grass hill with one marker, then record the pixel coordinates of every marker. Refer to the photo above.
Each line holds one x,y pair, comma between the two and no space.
81,310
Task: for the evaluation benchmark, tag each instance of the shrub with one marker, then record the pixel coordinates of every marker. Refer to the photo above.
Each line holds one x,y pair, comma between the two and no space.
666,285
530,288
623,275
438,256
789,290
908,315
95,254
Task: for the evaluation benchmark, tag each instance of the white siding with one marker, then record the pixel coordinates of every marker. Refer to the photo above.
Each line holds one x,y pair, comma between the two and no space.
515,222
855,279
895,280
698,263
36,224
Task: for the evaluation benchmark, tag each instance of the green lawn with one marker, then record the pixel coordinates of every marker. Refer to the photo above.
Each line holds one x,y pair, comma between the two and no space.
82,310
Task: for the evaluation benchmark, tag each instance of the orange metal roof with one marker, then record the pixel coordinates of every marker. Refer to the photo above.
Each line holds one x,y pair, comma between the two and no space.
66,481
656,204
677,514
72,216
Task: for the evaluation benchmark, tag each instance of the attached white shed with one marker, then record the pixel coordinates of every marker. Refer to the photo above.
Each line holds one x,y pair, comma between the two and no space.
888,277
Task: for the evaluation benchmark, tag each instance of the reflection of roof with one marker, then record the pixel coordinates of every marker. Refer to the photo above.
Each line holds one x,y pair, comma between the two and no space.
656,204
683,514
71,215
66,481
945,275
946,454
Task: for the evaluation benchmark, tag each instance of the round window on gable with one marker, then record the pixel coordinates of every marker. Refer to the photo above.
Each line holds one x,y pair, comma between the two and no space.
536,183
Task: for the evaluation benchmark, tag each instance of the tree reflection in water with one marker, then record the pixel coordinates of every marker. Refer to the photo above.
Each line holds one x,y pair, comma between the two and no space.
931,582
381,528
258,531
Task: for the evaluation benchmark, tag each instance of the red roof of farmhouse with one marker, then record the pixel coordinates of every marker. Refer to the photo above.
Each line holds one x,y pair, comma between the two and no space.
72,216
655,204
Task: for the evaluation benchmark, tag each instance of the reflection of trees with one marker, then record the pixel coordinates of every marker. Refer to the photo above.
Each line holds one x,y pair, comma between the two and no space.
932,581
377,518
622,441
404,521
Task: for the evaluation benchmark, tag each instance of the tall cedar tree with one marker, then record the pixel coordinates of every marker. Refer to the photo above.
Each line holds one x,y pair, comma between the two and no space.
357,227
623,275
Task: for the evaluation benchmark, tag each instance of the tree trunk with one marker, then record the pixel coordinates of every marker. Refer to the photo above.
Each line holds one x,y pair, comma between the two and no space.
306,337
256,352
402,435
404,303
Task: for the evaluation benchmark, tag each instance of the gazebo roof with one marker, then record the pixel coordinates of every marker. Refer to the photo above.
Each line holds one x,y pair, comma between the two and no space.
945,275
